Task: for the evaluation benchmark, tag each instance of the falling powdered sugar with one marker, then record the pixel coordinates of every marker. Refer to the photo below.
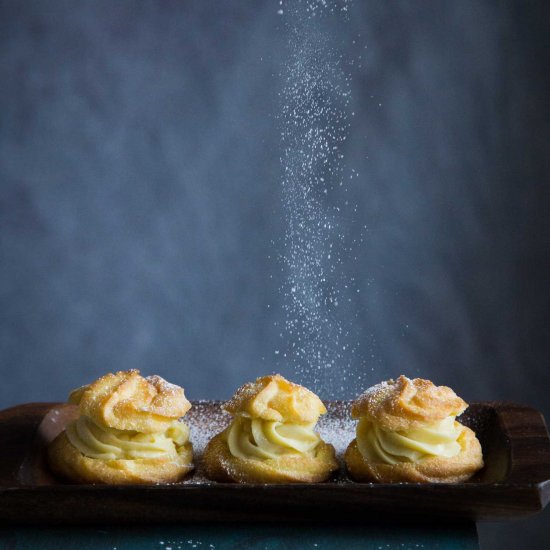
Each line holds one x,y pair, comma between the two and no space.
314,119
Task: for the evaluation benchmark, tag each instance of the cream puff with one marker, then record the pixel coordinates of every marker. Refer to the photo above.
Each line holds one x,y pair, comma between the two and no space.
271,438
129,430
408,432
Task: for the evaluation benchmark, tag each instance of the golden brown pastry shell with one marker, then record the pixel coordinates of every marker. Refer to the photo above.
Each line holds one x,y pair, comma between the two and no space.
275,398
126,400
429,470
220,465
67,461
401,404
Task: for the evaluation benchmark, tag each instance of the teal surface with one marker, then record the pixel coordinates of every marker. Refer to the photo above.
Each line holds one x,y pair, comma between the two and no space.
268,537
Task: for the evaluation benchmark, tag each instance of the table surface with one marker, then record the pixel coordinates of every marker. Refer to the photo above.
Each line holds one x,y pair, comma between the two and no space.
219,536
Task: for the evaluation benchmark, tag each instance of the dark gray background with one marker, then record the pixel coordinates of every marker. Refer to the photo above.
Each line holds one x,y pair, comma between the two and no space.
140,199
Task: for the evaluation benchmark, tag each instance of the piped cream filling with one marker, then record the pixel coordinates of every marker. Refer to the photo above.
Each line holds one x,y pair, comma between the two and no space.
110,444
263,439
387,447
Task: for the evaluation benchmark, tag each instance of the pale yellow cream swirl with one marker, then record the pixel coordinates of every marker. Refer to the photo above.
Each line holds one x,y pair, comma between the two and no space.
387,447
109,443
264,439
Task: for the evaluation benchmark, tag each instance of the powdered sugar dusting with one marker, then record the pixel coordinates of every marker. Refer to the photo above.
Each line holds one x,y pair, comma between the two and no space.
205,420
337,427
163,386
374,394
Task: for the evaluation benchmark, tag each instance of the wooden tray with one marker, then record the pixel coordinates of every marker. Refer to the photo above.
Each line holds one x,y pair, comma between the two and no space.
514,483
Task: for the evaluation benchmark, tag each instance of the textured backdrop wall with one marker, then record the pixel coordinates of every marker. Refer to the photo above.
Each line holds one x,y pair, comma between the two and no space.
140,202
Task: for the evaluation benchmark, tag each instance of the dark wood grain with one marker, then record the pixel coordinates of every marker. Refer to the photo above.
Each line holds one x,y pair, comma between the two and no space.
514,483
